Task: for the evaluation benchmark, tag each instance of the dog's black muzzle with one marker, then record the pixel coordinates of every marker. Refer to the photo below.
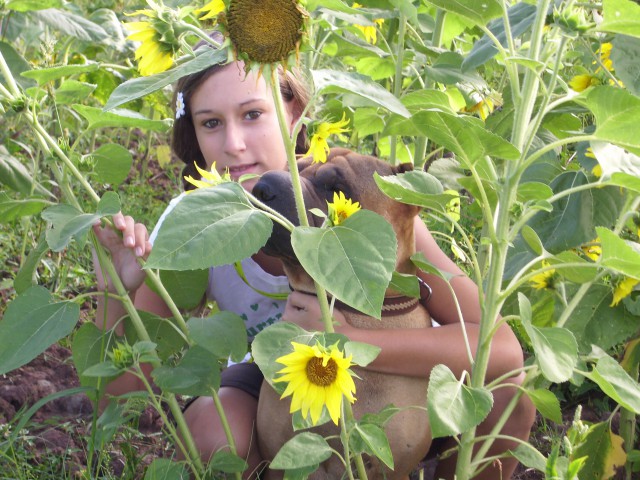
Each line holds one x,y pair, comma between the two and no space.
275,190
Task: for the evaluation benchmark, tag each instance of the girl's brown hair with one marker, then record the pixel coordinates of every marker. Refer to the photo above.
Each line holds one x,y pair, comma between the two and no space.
183,140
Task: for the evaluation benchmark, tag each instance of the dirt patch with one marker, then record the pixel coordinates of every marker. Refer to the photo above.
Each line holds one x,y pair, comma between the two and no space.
60,428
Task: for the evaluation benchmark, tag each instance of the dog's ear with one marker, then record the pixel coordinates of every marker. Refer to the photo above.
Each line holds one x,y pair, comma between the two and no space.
402,168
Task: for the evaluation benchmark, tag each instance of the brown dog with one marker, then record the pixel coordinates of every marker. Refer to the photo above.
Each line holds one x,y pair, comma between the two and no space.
408,431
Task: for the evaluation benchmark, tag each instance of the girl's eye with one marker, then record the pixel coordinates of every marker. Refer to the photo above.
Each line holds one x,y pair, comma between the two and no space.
253,115
211,123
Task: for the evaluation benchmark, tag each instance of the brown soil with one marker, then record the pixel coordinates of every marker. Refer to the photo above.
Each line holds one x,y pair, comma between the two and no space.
61,428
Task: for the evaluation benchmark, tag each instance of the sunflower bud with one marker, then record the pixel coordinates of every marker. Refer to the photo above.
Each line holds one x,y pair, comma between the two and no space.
121,355
18,104
572,21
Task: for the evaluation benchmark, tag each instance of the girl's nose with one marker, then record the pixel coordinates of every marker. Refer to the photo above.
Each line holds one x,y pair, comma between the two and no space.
234,139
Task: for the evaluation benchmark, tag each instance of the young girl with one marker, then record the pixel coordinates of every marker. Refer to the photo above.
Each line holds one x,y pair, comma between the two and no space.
230,119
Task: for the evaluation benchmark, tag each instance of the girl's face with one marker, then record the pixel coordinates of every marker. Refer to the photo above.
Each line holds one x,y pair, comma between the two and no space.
236,124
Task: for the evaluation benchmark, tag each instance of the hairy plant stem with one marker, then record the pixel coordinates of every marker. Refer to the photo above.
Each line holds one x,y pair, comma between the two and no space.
13,88
397,80
167,422
500,244
225,426
436,41
347,418
107,265
297,187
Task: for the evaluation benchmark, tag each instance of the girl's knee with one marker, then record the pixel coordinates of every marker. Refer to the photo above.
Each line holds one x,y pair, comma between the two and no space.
206,427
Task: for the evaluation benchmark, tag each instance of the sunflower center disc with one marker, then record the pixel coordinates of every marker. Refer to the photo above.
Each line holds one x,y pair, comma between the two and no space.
322,375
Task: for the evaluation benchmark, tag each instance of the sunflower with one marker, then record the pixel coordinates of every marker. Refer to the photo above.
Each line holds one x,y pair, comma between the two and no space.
544,279
318,146
369,31
623,289
483,108
593,250
317,376
265,31
580,83
158,37
211,178
341,208
604,53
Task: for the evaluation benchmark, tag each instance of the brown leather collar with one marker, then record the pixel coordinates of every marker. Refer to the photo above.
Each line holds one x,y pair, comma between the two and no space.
391,306
400,305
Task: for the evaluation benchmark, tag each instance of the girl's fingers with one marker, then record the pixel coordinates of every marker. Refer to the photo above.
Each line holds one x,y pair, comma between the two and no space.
147,248
118,221
141,237
128,234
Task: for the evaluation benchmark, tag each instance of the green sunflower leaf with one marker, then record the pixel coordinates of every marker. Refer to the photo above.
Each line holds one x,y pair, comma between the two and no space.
453,407
353,261
304,450
209,227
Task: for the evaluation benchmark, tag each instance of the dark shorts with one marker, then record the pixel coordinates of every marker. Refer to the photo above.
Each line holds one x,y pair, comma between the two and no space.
244,376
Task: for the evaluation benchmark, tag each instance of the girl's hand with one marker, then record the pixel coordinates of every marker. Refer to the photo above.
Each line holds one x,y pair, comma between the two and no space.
304,310
124,249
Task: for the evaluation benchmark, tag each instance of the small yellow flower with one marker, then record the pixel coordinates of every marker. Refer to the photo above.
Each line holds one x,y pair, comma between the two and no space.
544,279
623,289
580,83
453,206
211,178
605,56
211,9
593,250
341,208
317,376
483,108
369,31
318,145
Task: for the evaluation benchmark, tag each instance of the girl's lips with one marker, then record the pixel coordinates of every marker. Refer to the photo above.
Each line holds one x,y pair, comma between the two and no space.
239,170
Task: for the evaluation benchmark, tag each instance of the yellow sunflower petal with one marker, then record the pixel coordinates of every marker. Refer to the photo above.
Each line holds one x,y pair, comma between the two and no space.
623,289
212,9
143,35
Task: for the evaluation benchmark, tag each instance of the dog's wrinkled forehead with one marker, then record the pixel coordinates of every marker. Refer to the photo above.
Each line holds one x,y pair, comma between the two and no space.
338,174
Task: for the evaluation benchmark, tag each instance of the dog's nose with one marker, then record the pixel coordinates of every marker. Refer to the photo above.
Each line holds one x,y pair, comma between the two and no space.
263,191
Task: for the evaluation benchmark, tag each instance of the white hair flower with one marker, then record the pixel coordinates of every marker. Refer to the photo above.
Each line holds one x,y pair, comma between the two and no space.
179,105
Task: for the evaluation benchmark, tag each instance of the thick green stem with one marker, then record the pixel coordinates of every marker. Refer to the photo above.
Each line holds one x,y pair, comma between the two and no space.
180,444
531,82
397,80
436,41
297,187
142,333
6,73
500,245
225,426
347,418
162,292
